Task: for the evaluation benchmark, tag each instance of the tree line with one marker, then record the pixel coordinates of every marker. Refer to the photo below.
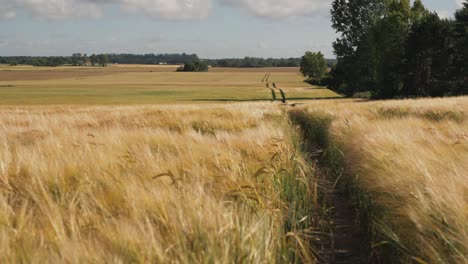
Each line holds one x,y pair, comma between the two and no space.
254,62
77,59
173,58
392,48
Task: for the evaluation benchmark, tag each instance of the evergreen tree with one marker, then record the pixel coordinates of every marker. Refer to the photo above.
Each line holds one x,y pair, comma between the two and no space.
460,69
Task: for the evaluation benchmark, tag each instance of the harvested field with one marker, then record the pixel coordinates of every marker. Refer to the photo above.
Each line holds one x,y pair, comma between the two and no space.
17,73
152,84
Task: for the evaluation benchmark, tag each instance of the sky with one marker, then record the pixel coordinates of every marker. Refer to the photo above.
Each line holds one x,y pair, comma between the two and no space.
209,28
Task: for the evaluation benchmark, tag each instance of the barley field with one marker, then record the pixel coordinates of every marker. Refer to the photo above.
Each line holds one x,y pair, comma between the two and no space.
153,184
141,164
91,172
406,163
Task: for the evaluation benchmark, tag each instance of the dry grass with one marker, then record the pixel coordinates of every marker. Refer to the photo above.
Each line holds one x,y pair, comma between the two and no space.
153,184
18,73
294,70
408,160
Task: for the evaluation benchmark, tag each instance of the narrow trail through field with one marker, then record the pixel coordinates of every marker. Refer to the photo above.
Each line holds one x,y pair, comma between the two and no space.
345,241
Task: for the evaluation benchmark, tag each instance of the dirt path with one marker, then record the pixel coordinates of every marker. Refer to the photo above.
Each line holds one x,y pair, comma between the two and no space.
345,240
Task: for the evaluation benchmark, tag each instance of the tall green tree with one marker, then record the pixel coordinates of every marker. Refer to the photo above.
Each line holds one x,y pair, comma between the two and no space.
313,65
389,36
418,11
352,20
102,60
371,48
394,48
76,59
93,59
429,58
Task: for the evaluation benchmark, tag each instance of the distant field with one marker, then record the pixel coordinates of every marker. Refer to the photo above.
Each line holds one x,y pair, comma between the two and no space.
128,84
16,73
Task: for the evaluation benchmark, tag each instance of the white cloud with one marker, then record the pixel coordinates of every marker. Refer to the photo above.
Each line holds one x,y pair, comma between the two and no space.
169,9
161,9
54,9
459,3
282,8
60,9
444,14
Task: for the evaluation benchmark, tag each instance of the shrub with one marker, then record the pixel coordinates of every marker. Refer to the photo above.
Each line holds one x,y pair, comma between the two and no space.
363,95
197,66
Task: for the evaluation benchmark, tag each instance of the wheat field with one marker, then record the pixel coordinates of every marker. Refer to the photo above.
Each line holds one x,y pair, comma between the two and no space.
153,184
407,163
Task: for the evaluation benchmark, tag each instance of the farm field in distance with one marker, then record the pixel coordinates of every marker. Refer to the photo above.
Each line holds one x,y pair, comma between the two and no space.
124,84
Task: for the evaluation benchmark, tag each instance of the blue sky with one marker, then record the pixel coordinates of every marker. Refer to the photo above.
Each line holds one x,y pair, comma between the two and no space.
210,28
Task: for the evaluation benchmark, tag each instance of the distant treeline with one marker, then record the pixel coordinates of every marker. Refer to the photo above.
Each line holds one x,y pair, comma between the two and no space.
153,58
253,62
79,59
76,59
36,61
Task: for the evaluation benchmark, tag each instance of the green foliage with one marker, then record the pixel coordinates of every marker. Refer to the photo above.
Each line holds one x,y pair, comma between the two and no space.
388,36
102,60
93,59
315,127
352,19
418,11
152,58
461,47
363,95
196,66
49,61
254,62
313,65
438,116
429,58
354,70
396,49
78,59
392,112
